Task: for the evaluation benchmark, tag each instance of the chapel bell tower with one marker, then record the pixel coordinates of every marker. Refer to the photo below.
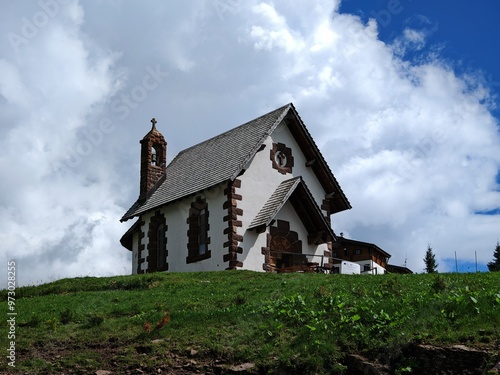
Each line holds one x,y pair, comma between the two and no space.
153,161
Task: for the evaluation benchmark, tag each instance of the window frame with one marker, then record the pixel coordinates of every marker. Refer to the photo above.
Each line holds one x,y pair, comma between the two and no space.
161,247
157,258
198,231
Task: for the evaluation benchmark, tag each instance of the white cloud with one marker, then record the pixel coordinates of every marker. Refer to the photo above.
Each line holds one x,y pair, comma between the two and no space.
413,144
276,32
12,87
54,85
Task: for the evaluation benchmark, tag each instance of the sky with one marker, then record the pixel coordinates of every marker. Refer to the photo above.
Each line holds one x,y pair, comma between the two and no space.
400,96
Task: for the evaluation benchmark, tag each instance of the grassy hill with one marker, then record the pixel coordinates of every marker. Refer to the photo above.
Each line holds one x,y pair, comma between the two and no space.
241,321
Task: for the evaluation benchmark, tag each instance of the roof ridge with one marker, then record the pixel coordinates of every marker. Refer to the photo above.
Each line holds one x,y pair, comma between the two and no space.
322,159
274,195
284,111
232,129
365,243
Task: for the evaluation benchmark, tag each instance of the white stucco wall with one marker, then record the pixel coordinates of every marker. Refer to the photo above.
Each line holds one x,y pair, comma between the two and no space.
176,215
177,233
288,213
252,245
283,135
260,180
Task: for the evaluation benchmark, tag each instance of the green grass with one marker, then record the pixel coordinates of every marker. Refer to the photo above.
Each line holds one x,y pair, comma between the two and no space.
293,323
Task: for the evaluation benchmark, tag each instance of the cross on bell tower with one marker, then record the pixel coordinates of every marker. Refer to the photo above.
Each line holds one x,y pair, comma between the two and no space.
153,161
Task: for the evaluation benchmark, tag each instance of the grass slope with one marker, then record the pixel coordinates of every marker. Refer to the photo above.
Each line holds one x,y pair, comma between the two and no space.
302,323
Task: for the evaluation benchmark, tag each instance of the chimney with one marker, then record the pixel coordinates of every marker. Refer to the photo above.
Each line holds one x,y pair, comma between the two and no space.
153,161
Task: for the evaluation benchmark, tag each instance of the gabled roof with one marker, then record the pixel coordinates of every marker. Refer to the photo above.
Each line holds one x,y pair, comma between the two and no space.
295,190
275,202
342,240
224,157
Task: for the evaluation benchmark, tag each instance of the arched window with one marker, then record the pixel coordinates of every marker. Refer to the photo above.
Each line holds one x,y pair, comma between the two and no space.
198,239
157,244
202,231
154,156
160,246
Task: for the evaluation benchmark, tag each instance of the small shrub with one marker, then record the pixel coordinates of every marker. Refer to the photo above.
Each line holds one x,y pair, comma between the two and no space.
94,320
52,324
240,299
392,286
160,306
66,316
439,284
321,292
34,321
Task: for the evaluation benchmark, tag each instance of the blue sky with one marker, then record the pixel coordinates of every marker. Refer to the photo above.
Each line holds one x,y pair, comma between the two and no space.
464,33
405,110
464,266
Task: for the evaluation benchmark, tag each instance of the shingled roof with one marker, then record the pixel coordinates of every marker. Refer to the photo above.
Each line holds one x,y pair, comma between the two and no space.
295,190
223,157
343,240
275,202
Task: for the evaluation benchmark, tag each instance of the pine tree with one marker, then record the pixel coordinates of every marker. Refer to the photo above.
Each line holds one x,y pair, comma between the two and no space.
494,266
430,261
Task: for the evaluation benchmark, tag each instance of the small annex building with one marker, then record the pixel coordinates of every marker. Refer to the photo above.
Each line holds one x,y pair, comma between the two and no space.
257,197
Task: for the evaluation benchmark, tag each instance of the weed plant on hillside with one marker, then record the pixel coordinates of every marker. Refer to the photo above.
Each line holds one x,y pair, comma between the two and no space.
294,323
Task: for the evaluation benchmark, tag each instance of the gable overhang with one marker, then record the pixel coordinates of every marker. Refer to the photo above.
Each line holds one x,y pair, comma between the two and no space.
127,239
316,161
318,229
297,193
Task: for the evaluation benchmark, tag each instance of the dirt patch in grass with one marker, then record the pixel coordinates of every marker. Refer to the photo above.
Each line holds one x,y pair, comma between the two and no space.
114,357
